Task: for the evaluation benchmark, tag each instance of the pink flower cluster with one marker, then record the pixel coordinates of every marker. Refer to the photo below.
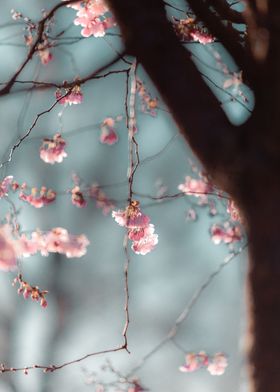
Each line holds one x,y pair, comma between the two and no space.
33,292
108,133
227,234
233,211
189,30
57,240
72,96
5,185
196,187
215,365
78,198
38,198
140,231
52,150
91,16
148,104
101,199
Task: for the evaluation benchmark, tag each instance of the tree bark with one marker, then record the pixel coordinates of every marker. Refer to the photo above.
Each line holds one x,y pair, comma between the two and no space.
244,161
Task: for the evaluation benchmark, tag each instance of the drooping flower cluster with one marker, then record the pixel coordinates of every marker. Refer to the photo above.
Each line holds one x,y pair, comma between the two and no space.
92,16
140,230
72,96
33,292
38,198
108,133
215,364
190,30
148,104
57,240
101,199
227,233
52,150
196,187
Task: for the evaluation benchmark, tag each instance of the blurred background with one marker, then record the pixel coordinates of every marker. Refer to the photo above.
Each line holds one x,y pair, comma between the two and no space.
86,297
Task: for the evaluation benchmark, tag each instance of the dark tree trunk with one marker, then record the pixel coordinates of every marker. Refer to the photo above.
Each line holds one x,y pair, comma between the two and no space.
244,161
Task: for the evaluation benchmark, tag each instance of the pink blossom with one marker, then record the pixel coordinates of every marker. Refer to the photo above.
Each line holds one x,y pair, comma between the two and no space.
101,199
74,96
57,240
8,253
131,217
78,197
4,186
52,150
227,234
34,292
45,55
195,187
217,364
201,37
108,133
26,247
38,198
194,362
140,231
91,16
147,242
189,30
233,211
60,241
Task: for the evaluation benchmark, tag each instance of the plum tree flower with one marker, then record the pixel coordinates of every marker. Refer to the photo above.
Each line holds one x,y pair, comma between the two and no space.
52,150
78,198
57,240
140,231
74,96
189,30
132,217
227,233
194,362
8,251
108,133
34,292
196,187
38,198
215,364
146,242
91,16
5,185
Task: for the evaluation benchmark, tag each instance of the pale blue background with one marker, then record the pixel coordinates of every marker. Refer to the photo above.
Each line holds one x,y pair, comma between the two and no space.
89,315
